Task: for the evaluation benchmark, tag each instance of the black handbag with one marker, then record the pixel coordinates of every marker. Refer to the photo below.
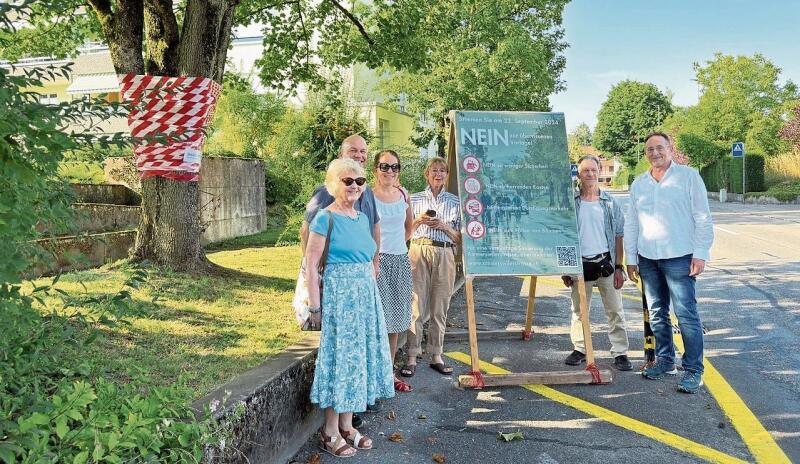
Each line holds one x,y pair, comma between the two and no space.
597,266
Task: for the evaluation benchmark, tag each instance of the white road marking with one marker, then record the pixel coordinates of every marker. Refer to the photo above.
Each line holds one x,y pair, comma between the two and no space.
726,230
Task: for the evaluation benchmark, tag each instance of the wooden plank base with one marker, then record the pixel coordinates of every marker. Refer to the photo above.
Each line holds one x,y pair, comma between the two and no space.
463,335
536,378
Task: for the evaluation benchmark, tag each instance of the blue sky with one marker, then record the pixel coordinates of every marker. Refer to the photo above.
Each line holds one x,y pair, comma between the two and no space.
657,42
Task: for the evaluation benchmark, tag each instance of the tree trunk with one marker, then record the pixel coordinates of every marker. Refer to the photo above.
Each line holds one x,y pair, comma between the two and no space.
205,37
161,34
123,32
170,227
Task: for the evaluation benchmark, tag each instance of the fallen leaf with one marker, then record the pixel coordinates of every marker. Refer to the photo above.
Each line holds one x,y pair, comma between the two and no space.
391,415
314,459
510,436
422,416
396,437
439,458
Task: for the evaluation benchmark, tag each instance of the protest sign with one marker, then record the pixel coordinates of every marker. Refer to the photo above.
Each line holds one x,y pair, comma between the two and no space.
513,176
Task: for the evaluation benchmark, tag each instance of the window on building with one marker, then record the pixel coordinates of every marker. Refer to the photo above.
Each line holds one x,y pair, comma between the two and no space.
48,99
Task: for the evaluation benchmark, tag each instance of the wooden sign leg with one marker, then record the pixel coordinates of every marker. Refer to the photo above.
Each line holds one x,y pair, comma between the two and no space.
471,326
587,331
526,335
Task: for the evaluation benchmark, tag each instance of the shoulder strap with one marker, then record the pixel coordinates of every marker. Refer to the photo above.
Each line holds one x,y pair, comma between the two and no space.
403,193
324,258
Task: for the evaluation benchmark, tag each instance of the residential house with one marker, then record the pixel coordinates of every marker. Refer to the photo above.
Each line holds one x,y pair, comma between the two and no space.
608,167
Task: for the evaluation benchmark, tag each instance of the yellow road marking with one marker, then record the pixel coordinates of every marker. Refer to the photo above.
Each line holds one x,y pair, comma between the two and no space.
758,440
650,431
755,436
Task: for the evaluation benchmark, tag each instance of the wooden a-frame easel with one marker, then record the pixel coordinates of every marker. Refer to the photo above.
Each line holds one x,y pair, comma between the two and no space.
474,379
591,375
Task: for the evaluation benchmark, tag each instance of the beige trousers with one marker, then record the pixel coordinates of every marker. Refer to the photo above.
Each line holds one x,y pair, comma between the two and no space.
434,271
612,302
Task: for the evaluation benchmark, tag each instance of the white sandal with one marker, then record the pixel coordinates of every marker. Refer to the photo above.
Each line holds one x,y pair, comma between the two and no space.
356,440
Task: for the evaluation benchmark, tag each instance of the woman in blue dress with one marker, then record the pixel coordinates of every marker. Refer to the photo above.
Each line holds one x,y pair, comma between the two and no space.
353,367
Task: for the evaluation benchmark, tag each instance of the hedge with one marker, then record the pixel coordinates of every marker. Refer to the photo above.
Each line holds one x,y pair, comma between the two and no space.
727,173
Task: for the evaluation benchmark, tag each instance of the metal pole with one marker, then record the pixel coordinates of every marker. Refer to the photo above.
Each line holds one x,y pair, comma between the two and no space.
744,175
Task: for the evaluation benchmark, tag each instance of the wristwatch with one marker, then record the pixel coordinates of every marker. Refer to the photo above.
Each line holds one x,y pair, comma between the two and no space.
619,267
316,310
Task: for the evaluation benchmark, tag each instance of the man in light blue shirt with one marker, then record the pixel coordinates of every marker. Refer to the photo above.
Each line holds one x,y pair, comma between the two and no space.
668,237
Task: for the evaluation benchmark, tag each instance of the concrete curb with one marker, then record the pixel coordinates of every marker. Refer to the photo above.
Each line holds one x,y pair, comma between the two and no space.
266,412
760,200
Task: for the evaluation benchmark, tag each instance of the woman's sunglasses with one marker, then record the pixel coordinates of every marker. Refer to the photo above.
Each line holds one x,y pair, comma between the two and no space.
348,181
384,167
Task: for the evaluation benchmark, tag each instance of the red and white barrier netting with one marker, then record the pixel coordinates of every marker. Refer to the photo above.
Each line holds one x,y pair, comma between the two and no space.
167,117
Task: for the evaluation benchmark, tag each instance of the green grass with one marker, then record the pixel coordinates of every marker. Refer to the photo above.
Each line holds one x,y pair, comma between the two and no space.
208,329
281,231
262,239
79,172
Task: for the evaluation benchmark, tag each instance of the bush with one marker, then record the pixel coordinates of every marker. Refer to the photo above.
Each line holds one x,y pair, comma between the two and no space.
243,121
623,178
754,179
781,168
785,191
727,173
78,172
55,409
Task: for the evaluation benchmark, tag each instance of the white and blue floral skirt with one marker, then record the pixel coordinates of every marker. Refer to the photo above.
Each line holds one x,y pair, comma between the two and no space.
353,366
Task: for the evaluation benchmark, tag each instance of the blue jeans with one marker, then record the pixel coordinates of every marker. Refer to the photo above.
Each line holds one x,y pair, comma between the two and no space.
665,281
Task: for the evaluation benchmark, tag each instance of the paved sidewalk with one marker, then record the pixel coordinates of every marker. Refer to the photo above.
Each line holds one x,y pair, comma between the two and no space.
438,420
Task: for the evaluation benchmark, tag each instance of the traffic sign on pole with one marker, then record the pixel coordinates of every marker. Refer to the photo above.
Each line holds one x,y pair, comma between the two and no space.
737,150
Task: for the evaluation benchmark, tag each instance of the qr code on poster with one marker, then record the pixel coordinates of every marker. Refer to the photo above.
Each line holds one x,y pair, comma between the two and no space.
567,255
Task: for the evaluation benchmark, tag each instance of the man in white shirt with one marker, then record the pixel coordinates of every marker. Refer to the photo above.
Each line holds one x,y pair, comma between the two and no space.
668,237
600,228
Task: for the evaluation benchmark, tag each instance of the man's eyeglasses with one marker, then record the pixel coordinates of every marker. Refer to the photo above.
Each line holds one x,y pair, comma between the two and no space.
348,181
658,148
384,167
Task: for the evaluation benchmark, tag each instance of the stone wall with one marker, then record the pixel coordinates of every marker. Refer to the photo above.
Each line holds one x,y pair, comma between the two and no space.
85,251
759,200
232,194
106,193
92,217
267,410
233,198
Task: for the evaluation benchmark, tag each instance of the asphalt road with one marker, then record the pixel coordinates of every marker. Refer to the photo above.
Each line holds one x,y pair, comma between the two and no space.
748,300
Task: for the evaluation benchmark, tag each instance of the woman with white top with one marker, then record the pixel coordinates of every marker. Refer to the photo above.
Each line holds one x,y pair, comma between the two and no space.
394,280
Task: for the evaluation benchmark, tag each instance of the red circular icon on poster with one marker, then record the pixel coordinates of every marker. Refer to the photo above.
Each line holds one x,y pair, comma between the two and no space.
476,229
473,207
471,164
472,185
